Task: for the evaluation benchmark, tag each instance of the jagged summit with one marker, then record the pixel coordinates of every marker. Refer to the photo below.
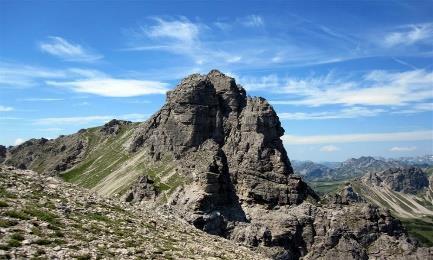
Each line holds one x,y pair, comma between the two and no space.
214,156
246,132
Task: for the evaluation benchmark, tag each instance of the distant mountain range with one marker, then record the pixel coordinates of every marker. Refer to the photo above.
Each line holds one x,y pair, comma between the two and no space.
355,167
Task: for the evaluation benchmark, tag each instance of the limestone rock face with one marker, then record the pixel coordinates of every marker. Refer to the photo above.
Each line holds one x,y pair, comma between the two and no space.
144,189
114,126
55,155
3,151
239,183
406,180
345,196
245,131
214,156
431,182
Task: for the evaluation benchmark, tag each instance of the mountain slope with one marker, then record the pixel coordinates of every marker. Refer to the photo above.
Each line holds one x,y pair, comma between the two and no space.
407,193
214,157
46,218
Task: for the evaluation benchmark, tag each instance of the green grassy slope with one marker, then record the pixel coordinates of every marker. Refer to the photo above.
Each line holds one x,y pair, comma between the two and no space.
420,229
110,169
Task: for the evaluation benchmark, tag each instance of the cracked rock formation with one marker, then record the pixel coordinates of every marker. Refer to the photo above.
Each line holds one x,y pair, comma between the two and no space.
214,156
407,180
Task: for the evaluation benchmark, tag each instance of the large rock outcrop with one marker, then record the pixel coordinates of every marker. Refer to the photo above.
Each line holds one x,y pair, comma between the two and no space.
48,156
3,151
407,180
244,131
214,156
240,183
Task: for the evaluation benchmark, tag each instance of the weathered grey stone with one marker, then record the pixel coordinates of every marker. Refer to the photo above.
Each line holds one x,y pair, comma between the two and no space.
3,151
407,180
114,126
236,178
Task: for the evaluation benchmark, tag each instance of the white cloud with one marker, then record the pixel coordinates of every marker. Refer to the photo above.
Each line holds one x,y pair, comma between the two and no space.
354,138
409,35
79,80
83,120
402,149
71,120
415,108
112,87
6,109
205,46
353,112
18,141
270,82
68,51
184,37
41,99
50,129
253,21
136,117
376,88
329,148
19,75
181,30
224,26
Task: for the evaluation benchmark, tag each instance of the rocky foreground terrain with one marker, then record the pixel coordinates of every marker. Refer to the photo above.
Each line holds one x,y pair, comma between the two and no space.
214,157
43,217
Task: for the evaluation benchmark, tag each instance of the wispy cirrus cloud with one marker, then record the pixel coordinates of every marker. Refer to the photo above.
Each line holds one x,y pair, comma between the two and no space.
203,45
354,138
113,87
84,120
371,94
22,75
402,149
409,34
79,80
41,99
252,21
376,88
182,37
68,51
415,108
181,30
352,112
329,148
6,109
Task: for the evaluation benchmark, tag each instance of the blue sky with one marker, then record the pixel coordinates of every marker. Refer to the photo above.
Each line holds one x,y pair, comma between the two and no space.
347,78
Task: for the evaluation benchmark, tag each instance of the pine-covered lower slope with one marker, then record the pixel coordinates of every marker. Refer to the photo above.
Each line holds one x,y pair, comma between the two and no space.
43,217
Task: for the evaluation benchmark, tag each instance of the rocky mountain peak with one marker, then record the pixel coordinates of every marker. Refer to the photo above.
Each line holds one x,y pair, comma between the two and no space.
246,130
114,126
214,157
401,179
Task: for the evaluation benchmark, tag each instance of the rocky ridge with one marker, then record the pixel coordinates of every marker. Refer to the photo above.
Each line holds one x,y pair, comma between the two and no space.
44,217
214,156
407,180
404,191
